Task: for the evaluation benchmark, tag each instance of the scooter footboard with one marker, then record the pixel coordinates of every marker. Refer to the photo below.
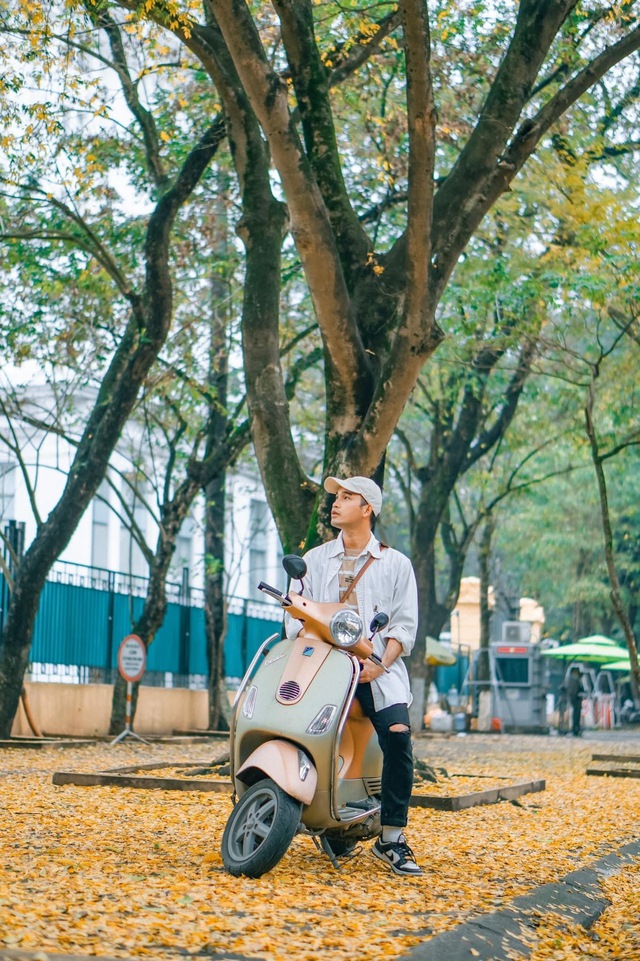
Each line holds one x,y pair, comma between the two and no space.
285,764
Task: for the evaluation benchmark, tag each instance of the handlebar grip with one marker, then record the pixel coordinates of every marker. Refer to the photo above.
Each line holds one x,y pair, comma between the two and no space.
271,591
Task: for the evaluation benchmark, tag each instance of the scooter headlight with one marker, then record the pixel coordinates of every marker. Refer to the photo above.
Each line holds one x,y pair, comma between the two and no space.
346,628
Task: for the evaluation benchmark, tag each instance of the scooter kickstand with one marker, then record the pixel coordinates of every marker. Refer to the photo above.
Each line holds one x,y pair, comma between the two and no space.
323,845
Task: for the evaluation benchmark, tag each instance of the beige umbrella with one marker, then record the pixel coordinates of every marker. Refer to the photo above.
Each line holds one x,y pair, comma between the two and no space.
437,654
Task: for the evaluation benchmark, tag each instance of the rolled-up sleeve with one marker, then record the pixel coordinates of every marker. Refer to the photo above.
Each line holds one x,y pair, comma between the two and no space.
403,618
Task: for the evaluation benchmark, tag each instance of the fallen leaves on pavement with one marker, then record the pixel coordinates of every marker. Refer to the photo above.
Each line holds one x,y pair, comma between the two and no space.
614,937
128,872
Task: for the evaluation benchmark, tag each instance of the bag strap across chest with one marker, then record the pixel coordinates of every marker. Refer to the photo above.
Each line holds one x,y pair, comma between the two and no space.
355,580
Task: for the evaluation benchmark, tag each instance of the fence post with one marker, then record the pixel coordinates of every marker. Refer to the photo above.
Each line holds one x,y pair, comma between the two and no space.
14,539
244,635
4,588
111,587
185,623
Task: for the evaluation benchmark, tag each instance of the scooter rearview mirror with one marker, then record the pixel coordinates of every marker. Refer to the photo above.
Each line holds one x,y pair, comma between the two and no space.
379,621
295,566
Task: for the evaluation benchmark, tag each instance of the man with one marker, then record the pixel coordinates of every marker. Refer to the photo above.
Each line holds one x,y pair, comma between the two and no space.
575,694
388,585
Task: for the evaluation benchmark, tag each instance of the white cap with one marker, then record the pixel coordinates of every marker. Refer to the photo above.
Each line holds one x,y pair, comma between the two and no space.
357,485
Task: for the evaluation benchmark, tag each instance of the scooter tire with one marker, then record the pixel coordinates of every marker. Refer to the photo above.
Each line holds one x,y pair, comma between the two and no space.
261,827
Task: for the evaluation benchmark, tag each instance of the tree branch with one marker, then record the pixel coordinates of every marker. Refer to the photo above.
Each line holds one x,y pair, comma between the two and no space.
607,532
311,82
99,15
477,178
345,357
490,436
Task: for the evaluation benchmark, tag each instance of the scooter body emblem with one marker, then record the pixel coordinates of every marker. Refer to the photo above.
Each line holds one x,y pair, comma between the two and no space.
308,651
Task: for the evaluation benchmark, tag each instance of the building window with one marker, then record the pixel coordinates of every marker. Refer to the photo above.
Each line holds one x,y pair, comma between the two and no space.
100,527
7,492
258,526
132,560
513,670
183,554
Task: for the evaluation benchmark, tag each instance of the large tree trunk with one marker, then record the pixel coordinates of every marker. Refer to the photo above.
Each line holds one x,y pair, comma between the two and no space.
484,561
433,615
375,312
143,338
153,613
115,402
215,605
607,532
215,505
460,435
224,441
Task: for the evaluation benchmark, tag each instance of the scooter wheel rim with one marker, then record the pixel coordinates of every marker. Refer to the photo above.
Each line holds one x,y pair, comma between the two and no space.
254,826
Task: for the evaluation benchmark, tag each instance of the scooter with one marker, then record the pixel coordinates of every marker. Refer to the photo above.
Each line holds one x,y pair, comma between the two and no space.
304,758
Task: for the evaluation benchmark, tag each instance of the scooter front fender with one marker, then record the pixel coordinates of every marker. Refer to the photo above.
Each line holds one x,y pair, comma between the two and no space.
285,764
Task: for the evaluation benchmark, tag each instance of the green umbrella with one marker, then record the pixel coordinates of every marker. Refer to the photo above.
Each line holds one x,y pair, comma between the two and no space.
581,651
597,639
623,665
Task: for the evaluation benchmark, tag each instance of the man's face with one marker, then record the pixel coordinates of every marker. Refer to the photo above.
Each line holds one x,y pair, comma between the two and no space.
348,510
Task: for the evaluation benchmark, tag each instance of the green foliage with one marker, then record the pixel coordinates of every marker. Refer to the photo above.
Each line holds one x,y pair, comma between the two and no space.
87,151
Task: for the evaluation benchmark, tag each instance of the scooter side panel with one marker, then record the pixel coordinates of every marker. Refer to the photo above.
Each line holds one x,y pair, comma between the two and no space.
280,761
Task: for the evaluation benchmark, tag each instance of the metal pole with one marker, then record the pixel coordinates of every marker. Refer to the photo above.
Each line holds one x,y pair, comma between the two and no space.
111,588
127,719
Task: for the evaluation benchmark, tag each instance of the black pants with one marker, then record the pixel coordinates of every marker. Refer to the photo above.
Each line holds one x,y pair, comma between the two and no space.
576,710
397,764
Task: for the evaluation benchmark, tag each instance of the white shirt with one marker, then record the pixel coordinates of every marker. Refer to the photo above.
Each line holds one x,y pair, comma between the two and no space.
388,585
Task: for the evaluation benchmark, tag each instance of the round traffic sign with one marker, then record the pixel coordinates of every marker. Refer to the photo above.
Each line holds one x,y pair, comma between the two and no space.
132,658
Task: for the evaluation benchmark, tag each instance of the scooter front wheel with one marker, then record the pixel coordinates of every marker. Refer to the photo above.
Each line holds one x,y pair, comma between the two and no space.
261,827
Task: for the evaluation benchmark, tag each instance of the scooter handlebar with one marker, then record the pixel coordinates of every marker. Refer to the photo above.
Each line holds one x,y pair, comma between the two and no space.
316,616
377,660
273,592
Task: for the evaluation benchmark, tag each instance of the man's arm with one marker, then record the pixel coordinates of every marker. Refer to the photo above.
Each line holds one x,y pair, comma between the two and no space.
403,616
371,671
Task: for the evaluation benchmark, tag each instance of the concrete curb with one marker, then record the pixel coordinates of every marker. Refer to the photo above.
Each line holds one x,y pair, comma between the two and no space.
505,934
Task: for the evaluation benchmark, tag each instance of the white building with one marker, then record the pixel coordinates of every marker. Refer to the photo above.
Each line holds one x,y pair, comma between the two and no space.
34,464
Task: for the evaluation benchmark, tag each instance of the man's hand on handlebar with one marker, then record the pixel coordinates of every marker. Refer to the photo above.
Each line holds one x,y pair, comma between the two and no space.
369,671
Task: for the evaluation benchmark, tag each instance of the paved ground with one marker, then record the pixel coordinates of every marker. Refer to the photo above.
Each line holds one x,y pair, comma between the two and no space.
576,897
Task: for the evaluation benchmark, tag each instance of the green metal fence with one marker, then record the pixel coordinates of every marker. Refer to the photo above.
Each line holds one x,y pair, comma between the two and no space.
85,612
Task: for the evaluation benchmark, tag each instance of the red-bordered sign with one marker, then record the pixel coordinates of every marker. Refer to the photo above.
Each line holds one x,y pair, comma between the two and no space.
132,658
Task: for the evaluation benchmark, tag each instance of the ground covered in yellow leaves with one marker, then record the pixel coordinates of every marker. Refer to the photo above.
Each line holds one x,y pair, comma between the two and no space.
615,937
125,872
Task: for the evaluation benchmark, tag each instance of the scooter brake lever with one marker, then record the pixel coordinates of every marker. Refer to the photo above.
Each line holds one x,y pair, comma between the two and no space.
283,599
273,592
376,660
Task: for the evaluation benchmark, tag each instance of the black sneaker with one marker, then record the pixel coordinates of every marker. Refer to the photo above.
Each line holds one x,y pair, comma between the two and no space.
398,855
